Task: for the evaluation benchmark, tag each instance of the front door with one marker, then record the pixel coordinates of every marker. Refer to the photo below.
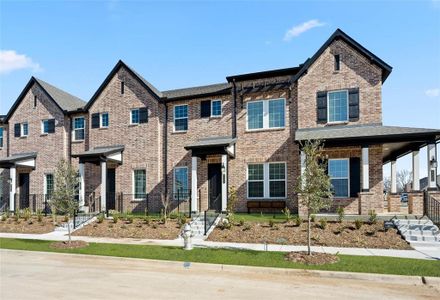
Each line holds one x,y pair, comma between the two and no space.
110,200
23,185
215,187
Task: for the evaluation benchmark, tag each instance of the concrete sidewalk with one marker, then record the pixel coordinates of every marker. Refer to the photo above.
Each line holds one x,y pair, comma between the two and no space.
432,253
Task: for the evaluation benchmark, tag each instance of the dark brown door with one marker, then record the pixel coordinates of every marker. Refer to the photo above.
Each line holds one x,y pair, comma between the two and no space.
111,181
215,187
23,185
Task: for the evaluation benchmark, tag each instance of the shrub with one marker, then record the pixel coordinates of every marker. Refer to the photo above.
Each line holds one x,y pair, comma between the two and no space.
174,215
129,219
271,223
313,218
27,214
182,220
323,223
100,218
358,223
247,227
115,218
39,216
225,224
286,212
4,218
241,222
298,221
373,216
147,220
341,214
16,215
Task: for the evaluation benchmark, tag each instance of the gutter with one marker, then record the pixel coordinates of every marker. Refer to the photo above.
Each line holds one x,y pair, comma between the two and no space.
165,152
234,109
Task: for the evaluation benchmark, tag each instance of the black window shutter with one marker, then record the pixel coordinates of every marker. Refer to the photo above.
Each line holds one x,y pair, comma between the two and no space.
17,130
143,115
353,104
321,104
355,176
51,125
205,109
95,120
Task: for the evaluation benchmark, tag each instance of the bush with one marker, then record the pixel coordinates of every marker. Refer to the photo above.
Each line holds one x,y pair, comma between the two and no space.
147,220
358,223
39,216
182,220
241,222
373,216
323,223
129,219
341,214
174,215
298,221
247,227
271,223
27,214
4,218
16,216
286,212
313,218
115,218
100,218
225,224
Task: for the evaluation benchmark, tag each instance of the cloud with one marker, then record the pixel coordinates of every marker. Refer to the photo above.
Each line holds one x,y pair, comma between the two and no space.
432,92
301,28
11,61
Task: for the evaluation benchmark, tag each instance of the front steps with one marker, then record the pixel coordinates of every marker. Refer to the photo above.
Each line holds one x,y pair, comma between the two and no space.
419,232
198,226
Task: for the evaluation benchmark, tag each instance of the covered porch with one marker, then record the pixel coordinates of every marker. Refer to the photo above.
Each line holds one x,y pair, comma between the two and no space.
374,146
209,160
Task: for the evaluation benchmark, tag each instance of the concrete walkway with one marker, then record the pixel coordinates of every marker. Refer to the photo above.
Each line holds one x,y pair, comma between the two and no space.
432,253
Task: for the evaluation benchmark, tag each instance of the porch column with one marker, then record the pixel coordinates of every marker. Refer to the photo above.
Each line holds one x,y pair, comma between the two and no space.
194,193
13,186
303,165
365,170
432,166
415,171
103,185
82,187
224,182
393,177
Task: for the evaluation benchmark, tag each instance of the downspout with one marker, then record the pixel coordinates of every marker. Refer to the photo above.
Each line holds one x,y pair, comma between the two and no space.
165,152
69,139
234,109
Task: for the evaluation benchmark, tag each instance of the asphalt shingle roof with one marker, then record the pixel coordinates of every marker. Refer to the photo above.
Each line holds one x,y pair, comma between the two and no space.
198,90
212,142
103,150
65,100
18,156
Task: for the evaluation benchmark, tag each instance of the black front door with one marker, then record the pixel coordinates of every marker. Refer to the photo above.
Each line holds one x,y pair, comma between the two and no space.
23,185
215,186
110,200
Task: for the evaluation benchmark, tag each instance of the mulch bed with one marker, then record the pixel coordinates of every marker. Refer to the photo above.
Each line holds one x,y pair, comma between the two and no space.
137,229
335,235
67,245
10,225
314,259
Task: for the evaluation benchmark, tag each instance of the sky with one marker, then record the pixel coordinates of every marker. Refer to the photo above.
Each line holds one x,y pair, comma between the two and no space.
74,45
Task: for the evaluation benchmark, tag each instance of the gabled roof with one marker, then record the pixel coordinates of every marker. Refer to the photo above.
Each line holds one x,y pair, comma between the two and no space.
147,85
198,91
339,34
65,101
264,74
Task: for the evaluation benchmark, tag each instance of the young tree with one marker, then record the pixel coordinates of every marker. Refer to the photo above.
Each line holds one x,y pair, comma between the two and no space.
65,189
314,186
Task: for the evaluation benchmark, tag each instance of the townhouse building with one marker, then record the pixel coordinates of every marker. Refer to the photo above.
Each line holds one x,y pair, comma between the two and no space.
138,148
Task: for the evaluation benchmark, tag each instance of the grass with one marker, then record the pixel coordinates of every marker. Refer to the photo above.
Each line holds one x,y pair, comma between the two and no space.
363,264
262,218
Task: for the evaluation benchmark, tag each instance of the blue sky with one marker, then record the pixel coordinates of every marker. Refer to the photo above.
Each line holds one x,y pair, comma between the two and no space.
74,44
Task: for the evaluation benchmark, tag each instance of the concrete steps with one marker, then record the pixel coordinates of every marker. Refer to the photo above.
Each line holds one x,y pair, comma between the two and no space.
418,232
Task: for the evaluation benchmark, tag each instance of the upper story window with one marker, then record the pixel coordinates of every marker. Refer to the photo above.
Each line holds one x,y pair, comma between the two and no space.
265,114
24,129
122,87
100,120
1,137
216,108
180,186
181,118
48,126
211,108
134,116
35,101
78,129
104,120
139,115
337,62
338,171
267,180
337,106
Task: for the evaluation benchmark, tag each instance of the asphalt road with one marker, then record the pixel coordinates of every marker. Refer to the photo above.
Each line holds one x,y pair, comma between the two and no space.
36,275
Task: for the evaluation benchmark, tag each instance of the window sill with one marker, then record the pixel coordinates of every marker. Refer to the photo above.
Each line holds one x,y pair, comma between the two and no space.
337,123
133,125
103,128
266,199
179,132
23,136
215,117
264,129
44,134
77,141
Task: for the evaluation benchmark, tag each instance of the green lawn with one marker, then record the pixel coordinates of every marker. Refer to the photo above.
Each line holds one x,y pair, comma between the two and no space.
262,218
365,264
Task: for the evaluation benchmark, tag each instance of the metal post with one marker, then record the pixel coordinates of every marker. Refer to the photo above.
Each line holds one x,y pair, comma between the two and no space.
205,219
74,219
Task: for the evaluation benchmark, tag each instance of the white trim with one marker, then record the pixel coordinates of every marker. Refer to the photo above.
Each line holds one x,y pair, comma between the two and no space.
174,118
134,183
74,129
221,108
174,180
42,126
266,180
328,107
365,169
348,176
131,116
415,171
22,129
266,115
100,120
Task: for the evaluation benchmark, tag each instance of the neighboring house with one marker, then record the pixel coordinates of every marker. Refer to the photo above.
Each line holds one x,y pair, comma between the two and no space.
136,146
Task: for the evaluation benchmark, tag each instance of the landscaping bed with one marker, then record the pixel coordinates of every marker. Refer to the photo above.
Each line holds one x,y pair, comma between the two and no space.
136,228
335,234
31,224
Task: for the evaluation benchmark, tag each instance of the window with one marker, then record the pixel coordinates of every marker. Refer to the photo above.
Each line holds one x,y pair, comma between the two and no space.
181,117
337,62
337,106
24,129
139,184
266,114
45,126
49,185
338,171
1,137
216,108
122,87
180,182
267,180
78,129
104,120
35,101
134,116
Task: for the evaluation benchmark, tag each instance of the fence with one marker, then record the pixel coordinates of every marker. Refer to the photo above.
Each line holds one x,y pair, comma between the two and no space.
34,202
432,208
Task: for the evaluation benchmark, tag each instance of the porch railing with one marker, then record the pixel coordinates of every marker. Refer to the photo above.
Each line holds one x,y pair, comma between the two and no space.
34,202
209,217
432,208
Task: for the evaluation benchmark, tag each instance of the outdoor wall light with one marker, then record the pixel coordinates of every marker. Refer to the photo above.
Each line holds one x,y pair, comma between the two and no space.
223,168
433,163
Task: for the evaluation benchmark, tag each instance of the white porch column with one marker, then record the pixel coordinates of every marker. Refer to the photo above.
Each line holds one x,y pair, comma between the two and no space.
13,186
194,194
432,170
303,164
415,171
393,177
224,182
103,185
365,170
82,187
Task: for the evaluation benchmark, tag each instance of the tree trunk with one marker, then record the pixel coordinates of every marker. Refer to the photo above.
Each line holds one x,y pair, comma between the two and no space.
68,228
309,228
